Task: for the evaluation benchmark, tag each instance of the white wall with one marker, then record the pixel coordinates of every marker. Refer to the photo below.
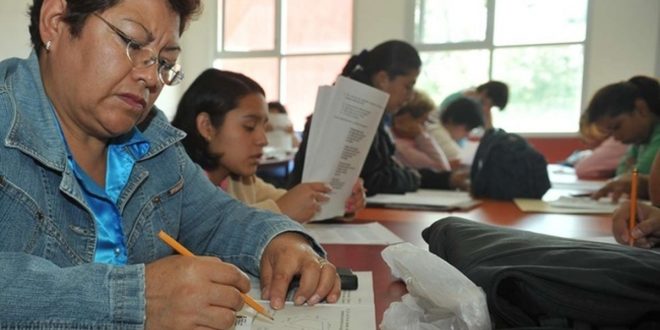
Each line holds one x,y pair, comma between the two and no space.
624,38
14,35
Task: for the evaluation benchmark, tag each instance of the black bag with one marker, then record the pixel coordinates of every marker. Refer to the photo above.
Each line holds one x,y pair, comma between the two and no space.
536,281
505,167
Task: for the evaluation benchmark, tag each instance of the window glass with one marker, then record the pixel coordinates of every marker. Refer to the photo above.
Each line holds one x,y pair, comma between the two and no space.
535,46
302,75
447,72
545,87
249,25
263,70
539,21
450,21
318,26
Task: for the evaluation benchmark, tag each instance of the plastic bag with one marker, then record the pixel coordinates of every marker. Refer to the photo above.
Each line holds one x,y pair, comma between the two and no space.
439,296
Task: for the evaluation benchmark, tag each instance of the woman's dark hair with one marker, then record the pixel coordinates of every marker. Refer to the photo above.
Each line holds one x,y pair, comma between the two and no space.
463,111
77,12
214,92
619,98
394,57
419,105
277,106
497,91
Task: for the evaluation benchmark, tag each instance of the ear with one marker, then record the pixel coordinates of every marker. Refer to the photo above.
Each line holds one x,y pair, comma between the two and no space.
381,80
51,25
642,107
204,126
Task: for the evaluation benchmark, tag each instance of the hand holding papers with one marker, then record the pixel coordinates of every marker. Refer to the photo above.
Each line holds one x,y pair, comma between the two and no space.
346,117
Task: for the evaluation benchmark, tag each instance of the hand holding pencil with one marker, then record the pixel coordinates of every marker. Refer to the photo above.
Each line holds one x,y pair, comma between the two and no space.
185,293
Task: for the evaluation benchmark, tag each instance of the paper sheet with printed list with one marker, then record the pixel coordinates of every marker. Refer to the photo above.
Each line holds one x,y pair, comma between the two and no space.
345,120
354,311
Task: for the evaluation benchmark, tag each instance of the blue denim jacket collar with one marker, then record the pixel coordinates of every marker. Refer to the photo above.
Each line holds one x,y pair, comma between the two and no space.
40,137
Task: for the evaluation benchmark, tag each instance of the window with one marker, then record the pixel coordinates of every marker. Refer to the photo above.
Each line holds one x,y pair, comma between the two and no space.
535,46
290,47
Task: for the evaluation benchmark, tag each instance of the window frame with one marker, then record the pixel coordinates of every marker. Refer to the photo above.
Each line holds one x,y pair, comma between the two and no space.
489,45
219,52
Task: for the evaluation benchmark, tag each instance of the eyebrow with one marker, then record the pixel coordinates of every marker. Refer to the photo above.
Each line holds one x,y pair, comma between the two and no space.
150,37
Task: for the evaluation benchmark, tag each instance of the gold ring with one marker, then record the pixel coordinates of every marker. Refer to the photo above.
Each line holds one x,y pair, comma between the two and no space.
322,262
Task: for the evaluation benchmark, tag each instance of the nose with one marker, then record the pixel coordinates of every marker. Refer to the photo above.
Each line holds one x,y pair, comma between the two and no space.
261,139
149,75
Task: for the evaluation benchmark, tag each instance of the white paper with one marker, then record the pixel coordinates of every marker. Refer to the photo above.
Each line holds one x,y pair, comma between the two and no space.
346,117
354,311
441,200
573,207
372,233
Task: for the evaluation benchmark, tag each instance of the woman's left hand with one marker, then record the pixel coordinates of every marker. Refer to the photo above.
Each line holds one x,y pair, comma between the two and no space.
290,254
357,200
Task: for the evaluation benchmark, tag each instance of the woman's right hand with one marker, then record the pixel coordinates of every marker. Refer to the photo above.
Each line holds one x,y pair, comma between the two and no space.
193,292
646,231
620,186
301,202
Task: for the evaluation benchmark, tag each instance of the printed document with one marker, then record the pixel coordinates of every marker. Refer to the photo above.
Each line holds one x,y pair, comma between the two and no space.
354,311
346,117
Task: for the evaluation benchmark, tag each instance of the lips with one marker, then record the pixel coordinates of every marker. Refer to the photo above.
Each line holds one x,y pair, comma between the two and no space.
134,101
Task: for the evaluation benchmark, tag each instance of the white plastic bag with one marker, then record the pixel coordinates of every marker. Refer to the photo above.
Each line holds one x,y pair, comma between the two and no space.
439,295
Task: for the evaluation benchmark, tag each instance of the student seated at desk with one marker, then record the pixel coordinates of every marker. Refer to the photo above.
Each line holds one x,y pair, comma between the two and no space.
91,171
415,148
630,112
392,67
279,127
224,115
602,157
456,122
489,94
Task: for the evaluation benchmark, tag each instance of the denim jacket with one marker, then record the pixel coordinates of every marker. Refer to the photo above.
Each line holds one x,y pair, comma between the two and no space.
47,232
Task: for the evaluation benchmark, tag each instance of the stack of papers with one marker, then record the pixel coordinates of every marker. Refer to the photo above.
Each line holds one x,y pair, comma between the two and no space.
346,117
433,200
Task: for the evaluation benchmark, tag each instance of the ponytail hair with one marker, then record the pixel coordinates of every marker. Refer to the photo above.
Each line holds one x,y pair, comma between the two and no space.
395,57
619,98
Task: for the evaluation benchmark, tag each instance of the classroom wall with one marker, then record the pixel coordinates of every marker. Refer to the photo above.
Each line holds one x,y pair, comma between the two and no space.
624,40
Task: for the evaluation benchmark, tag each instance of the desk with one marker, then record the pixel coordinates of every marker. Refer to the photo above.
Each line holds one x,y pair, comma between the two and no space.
408,224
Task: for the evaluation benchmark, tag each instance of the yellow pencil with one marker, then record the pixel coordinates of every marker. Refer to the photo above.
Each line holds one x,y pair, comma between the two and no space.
183,251
633,206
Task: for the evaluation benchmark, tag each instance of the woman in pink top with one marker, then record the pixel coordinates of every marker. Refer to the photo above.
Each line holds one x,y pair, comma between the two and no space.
415,148
601,161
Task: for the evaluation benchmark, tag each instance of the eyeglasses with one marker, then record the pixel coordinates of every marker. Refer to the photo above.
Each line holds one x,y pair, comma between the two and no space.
141,57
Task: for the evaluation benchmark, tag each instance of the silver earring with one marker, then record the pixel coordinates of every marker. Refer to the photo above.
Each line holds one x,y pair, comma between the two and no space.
48,44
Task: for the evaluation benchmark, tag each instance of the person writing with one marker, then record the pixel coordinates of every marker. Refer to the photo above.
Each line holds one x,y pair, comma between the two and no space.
601,158
414,146
91,171
456,122
224,115
630,112
646,229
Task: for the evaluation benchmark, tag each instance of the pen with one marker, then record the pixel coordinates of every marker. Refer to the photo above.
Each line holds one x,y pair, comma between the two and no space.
633,206
183,251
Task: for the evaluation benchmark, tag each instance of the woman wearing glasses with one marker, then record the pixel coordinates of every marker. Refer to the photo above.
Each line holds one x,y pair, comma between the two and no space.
84,190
